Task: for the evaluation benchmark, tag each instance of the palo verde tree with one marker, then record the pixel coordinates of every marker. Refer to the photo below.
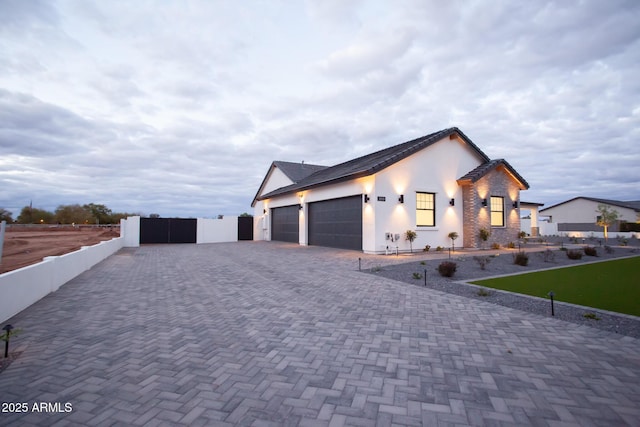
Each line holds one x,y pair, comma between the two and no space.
5,215
607,216
29,215
100,213
453,236
72,214
410,235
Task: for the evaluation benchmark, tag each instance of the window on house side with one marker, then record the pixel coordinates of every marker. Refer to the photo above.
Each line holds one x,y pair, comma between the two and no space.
425,209
497,211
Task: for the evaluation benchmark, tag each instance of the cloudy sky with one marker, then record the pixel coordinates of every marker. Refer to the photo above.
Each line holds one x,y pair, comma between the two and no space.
179,107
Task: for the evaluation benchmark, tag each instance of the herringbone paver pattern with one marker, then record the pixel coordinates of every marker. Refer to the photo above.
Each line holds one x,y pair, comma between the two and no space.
265,334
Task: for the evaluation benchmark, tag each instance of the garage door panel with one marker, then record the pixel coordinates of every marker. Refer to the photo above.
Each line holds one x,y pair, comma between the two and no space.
336,223
285,224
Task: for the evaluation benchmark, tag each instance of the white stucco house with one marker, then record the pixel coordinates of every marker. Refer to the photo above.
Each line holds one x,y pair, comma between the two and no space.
580,214
433,185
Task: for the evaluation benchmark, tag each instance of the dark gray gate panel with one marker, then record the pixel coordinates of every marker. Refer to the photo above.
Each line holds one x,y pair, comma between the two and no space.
154,230
336,223
183,230
285,224
168,230
245,228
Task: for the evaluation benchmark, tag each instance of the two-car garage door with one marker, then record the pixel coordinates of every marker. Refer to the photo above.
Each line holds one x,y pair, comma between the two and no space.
336,223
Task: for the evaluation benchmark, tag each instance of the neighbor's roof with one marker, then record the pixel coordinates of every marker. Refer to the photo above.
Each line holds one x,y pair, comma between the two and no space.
487,167
632,204
371,163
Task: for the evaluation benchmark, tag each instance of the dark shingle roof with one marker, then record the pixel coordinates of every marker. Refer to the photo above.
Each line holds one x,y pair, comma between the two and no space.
487,167
371,163
297,171
632,204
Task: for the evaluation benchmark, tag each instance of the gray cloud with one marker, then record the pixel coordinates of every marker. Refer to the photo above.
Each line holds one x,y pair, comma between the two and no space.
179,109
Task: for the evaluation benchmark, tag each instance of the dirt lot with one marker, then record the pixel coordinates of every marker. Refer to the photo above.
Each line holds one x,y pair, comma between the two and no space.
28,246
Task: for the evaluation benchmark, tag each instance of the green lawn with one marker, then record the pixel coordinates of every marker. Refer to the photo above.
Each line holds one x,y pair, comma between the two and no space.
611,285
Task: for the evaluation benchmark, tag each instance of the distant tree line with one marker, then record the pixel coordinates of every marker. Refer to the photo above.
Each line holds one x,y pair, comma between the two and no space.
91,213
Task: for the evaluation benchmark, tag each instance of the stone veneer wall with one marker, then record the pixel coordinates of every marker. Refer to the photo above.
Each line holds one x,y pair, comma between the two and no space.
495,183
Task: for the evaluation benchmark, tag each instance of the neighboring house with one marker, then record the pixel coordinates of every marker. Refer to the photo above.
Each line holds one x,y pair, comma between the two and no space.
581,213
433,185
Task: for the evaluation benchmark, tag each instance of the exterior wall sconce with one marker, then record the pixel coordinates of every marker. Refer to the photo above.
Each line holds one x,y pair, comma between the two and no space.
264,211
300,207
452,202
401,198
366,198
484,203
516,205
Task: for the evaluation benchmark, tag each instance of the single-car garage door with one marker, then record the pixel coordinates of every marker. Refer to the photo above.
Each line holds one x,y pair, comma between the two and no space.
284,224
336,223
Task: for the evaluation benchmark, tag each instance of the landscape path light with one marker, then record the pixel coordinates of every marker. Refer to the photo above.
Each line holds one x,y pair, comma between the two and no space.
7,329
551,295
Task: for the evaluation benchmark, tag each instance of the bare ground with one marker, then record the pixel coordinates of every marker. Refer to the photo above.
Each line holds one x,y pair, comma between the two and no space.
23,247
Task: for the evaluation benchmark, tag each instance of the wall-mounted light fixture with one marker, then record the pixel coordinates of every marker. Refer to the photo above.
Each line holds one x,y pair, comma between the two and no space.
300,207
452,202
484,203
516,205
401,198
366,198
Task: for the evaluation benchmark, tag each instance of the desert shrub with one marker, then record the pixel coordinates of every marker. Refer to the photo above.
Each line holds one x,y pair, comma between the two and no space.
482,261
495,246
574,254
521,258
426,248
608,249
511,245
439,249
482,292
548,256
447,268
590,251
590,315
417,276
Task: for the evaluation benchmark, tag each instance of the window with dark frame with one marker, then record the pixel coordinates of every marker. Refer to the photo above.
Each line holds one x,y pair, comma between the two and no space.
425,209
497,211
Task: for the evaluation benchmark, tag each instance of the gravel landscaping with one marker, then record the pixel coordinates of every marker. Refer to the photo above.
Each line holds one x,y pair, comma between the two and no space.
500,262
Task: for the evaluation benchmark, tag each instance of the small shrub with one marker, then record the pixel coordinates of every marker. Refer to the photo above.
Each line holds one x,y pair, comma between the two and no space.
482,292
495,246
447,268
426,248
591,316
511,245
522,235
590,251
574,254
521,258
484,235
482,261
439,249
417,276
548,256
563,249
422,263
608,249
376,269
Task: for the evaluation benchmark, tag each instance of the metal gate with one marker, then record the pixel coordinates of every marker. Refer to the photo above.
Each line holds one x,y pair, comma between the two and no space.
336,223
245,228
285,224
168,230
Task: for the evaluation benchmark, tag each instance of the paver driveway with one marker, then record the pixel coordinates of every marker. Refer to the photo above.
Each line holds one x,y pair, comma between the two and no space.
267,334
